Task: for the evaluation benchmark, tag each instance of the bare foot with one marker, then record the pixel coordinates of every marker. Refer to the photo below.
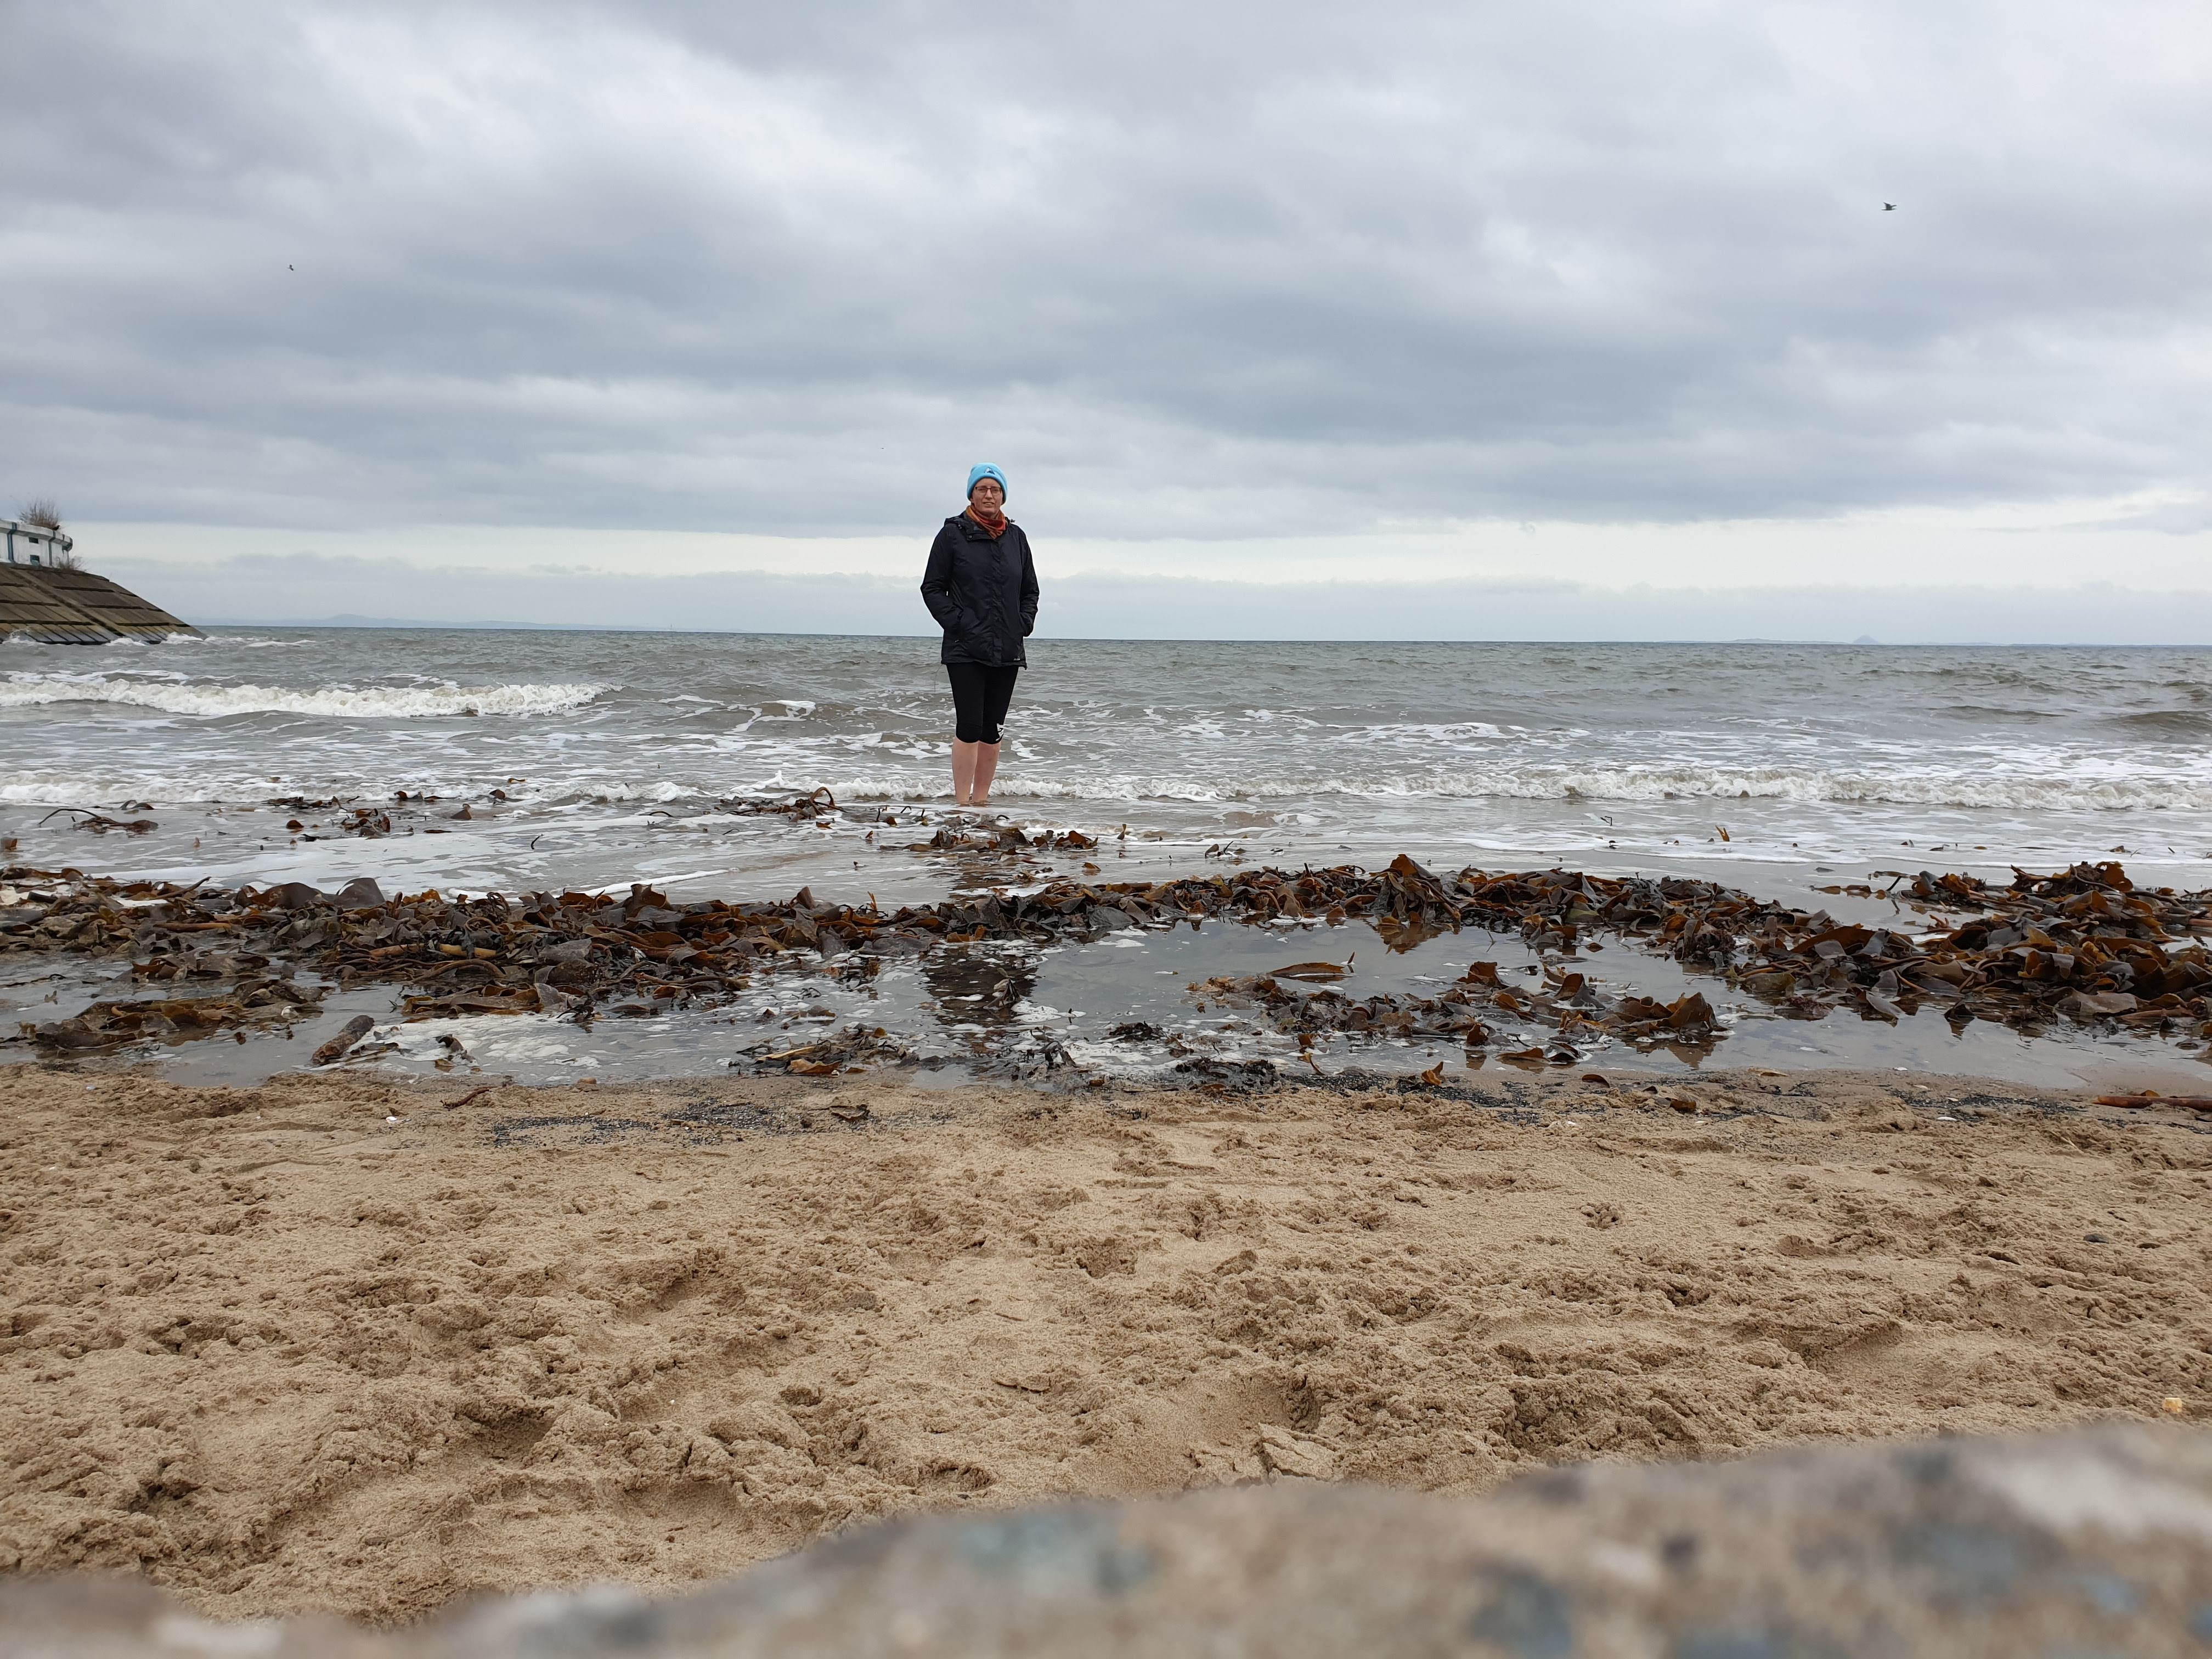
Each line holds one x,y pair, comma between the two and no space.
981,801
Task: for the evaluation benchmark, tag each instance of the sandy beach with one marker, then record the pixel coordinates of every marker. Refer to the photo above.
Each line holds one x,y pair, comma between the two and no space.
767,772
335,1343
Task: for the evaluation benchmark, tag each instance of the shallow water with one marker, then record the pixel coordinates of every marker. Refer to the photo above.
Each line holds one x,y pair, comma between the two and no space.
609,746
1781,770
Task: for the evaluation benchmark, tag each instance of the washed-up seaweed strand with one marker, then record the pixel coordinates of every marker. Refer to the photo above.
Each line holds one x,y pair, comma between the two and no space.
2082,945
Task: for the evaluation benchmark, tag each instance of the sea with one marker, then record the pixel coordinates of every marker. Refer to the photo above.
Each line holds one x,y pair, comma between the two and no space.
522,760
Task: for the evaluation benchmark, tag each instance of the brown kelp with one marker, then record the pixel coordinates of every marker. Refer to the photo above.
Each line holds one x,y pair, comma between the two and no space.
2081,944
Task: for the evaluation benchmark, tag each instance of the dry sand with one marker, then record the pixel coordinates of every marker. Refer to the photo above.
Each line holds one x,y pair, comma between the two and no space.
277,1353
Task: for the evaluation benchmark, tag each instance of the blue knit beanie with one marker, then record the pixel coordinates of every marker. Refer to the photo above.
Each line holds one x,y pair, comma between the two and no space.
977,474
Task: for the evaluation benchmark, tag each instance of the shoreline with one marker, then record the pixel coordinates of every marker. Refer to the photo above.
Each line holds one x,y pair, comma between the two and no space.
279,1354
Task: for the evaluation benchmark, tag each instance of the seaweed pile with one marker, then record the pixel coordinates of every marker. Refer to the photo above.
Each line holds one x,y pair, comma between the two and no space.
1566,1002
253,1002
2082,945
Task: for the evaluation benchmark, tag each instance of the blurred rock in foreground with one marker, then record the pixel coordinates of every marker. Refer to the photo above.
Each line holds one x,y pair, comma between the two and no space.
2094,1543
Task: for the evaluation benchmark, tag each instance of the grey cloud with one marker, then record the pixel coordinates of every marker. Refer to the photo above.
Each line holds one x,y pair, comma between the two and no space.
1245,268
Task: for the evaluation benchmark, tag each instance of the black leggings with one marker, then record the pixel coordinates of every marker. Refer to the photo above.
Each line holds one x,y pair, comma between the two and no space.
980,696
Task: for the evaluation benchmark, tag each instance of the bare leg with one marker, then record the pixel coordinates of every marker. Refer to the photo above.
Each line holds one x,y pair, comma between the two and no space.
987,768
963,769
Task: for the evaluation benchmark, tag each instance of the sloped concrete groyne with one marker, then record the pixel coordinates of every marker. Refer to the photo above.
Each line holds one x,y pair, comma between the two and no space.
75,607
2095,1542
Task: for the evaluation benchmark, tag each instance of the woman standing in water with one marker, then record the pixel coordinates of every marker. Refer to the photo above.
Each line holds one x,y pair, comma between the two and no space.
982,589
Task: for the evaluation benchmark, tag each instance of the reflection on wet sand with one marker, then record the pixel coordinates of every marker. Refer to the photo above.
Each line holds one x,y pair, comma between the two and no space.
979,985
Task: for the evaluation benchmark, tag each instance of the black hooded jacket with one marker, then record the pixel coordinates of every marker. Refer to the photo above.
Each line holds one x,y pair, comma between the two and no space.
983,591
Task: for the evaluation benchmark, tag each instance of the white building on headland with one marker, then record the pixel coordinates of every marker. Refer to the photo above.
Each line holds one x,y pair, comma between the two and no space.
29,544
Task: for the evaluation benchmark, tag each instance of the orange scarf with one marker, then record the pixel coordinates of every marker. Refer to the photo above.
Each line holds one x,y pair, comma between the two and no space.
994,527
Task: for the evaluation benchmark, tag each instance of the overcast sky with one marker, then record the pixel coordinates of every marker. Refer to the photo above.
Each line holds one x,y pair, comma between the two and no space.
1235,292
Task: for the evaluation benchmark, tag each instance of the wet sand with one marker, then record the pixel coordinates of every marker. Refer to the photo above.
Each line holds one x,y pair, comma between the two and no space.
275,1352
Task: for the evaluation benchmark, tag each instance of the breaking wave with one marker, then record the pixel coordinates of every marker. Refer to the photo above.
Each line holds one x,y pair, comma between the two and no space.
1982,789
336,702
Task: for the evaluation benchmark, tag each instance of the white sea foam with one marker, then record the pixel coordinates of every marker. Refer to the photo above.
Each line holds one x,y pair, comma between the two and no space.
2136,794
244,641
51,787
596,788
1684,784
337,703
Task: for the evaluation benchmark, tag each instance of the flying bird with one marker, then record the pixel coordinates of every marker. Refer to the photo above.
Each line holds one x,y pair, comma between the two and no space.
1889,206
291,267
